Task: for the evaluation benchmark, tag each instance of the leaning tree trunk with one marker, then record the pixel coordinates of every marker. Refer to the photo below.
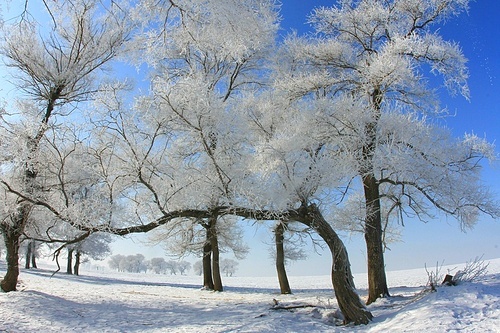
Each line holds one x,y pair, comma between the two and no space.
350,304
69,263
214,244
76,269
12,237
208,282
279,231
377,281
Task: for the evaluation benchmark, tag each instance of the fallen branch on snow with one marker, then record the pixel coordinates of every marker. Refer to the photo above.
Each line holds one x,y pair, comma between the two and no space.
278,306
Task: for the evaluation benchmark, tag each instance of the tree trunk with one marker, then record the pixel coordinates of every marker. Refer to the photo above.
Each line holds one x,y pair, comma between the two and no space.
214,244
76,269
69,265
12,231
350,304
208,282
377,282
33,254
28,256
12,237
279,231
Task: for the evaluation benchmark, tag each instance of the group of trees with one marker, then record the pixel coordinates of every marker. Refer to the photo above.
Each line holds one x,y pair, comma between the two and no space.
327,131
138,263
95,246
131,263
227,266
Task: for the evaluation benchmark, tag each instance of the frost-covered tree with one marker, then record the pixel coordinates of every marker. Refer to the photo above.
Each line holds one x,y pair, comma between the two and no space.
300,182
192,236
132,263
198,268
183,267
196,146
157,265
172,266
95,246
365,71
229,266
114,261
183,137
54,67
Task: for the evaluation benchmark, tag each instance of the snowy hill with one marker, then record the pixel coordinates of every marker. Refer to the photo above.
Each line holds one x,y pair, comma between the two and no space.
112,302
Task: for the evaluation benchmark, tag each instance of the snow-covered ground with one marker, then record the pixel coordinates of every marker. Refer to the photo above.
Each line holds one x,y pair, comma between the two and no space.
112,302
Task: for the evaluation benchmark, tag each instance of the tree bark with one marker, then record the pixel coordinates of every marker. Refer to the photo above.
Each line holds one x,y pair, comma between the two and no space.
76,269
28,256
12,237
208,282
69,264
377,281
214,244
33,254
12,231
350,304
279,231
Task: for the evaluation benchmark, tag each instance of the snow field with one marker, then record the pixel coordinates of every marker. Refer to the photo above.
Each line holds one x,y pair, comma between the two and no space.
120,302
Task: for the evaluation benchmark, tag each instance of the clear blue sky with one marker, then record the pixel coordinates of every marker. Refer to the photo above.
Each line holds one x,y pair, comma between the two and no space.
440,240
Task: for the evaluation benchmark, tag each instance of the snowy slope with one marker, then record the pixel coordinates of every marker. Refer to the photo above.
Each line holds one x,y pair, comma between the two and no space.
111,302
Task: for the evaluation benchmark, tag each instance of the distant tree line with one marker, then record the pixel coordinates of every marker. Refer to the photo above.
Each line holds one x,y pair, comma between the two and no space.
138,264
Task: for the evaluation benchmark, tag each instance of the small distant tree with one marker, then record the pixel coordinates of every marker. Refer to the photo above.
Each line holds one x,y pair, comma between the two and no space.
198,268
158,265
78,261
183,267
114,262
172,267
135,263
31,254
228,266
